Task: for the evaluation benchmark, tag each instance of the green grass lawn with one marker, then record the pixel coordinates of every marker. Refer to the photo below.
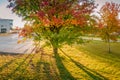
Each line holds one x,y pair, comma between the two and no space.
89,61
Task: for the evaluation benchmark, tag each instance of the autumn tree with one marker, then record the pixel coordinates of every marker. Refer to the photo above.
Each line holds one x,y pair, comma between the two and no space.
57,22
109,24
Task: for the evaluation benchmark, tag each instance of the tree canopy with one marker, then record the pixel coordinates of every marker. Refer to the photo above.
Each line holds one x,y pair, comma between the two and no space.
55,21
109,24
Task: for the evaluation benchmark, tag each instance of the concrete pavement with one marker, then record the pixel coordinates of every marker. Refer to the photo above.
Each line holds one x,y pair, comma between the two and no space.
8,44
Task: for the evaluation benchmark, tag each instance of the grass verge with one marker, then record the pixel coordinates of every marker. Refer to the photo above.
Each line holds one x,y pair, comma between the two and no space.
90,61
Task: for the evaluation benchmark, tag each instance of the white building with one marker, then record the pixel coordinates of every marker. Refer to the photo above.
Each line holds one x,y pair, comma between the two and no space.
5,25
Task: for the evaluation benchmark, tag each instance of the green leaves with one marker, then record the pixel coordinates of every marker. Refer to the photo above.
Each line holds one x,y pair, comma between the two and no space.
55,21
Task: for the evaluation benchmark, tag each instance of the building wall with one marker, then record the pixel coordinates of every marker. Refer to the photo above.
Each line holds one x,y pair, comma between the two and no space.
5,25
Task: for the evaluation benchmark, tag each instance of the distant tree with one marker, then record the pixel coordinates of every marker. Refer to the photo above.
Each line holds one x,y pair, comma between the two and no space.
109,24
57,22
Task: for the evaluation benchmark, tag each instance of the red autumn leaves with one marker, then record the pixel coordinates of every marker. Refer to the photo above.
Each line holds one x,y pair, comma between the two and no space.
53,14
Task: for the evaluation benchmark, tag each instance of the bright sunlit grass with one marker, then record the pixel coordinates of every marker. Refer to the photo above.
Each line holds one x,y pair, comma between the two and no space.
90,61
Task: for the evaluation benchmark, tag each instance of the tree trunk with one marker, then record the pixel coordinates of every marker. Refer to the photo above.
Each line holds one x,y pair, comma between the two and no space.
55,50
109,49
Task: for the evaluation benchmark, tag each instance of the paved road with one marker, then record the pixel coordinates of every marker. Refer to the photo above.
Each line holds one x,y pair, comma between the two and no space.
8,44
97,39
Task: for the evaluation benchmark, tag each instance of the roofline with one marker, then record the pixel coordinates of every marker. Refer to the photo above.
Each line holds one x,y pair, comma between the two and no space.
6,19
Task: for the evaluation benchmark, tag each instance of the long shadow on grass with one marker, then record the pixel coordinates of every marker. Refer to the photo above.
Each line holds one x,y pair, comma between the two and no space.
20,77
94,75
22,72
64,73
42,68
11,74
8,63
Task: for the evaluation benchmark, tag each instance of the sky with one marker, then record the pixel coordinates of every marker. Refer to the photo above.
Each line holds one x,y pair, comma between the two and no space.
6,13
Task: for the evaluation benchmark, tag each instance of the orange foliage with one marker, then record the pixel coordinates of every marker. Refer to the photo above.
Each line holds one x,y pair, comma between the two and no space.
109,14
27,30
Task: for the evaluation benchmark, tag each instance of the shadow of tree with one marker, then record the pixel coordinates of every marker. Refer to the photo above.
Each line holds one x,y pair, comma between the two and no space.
21,75
64,73
43,68
5,65
17,68
92,74
28,56
10,62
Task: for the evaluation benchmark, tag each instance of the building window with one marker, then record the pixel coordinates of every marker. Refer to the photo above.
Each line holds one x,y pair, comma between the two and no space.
3,30
11,24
